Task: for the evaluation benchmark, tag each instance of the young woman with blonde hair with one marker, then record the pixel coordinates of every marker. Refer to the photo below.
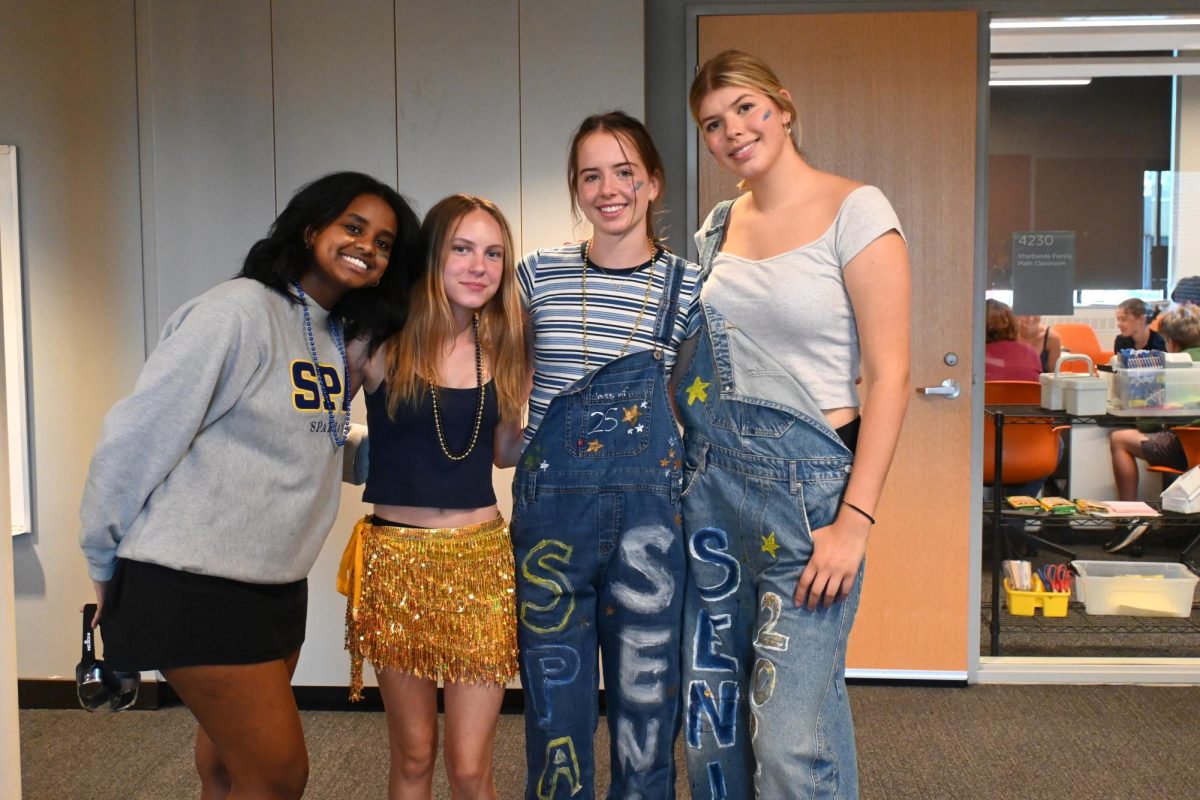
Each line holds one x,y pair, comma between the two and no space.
429,574
806,286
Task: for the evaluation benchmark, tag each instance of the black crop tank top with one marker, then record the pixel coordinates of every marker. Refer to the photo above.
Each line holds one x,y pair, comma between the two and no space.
406,464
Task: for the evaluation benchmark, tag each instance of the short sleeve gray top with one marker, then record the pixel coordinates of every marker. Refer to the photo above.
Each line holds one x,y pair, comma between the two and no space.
795,305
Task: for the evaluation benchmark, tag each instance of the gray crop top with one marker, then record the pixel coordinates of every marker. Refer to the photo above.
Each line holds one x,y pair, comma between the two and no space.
795,305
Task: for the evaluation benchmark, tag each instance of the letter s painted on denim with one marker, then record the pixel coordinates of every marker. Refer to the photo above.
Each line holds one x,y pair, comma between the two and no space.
711,546
635,545
537,570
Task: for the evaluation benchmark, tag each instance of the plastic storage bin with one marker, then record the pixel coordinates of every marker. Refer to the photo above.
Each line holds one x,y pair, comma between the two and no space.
1022,604
1084,395
1052,383
1135,588
1157,388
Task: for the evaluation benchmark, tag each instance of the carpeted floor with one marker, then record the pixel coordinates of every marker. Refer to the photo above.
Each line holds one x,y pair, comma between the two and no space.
924,743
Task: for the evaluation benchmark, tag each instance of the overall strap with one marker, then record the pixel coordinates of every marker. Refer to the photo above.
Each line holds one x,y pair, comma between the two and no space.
714,237
668,306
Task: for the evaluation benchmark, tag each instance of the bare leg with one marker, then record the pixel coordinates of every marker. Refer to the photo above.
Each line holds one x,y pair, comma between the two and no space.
411,705
1126,448
472,713
250,743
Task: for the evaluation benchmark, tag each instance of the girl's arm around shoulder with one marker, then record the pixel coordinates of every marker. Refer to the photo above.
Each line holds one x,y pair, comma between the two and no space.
510,434
879,284
366,371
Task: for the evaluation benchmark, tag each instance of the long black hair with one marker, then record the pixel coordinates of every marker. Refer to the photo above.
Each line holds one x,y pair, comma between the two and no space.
374,312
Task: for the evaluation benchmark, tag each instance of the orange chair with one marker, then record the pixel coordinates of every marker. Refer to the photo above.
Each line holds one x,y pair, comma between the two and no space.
1080,338
1031,446
1189,437
1013,393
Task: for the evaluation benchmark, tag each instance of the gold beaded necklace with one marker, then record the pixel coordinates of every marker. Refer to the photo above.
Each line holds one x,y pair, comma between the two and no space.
637,323
437,412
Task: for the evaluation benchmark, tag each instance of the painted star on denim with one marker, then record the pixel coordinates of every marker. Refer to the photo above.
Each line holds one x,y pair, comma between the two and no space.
545,465
594,446
698,391
632,414
769,545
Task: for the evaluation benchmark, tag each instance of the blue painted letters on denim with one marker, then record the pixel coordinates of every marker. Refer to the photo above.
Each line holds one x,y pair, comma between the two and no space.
766,709
597,536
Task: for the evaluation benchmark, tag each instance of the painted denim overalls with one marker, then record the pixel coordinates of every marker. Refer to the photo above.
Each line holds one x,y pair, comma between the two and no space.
599,551
766,708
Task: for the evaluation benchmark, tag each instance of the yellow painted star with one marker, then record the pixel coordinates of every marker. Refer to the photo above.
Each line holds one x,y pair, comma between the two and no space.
769,544
594,446
631,415
698,391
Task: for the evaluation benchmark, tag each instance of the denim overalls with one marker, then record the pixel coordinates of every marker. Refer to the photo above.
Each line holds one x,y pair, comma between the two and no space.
766,708
597,534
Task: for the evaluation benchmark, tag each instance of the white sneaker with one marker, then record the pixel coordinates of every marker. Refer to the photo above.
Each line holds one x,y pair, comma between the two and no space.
1135,533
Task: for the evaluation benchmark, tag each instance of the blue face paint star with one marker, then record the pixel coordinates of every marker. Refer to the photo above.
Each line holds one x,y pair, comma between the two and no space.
767,115
637,187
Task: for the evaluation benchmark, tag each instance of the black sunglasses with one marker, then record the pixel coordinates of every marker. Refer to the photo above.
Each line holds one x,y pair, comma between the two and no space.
100,688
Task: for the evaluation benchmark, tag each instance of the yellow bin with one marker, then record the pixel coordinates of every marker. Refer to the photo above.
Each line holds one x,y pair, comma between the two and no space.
1022,604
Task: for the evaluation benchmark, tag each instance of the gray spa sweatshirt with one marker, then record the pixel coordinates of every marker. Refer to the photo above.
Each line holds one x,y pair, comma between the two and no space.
220,462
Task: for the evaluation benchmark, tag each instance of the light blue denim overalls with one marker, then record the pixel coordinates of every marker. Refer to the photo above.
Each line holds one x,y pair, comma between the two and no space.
598,541
766,708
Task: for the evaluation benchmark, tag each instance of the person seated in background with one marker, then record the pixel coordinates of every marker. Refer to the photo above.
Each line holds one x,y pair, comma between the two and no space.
1006,358
1134,328
1186,291
1180,326
1042,338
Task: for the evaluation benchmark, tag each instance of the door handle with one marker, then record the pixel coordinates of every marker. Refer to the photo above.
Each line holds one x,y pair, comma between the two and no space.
949,389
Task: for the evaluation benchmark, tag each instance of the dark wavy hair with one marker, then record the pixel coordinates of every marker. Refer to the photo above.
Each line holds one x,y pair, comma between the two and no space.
374,312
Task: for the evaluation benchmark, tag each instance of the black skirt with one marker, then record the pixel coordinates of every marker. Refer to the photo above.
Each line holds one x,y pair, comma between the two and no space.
156,618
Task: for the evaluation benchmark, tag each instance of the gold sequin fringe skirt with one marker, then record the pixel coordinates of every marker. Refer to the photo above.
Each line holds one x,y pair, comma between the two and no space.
437,603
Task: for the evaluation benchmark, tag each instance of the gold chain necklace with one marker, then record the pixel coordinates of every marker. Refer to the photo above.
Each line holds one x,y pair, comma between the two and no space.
587,246
437,413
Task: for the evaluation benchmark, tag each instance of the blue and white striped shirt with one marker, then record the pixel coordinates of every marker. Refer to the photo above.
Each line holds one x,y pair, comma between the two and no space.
552,288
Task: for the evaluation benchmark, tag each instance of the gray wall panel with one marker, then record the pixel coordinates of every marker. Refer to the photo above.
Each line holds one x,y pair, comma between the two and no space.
208,143
335,90
577,59
458,95
68,102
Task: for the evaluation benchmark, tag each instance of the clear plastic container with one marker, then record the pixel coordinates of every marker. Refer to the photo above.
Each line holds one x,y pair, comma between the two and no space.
1156,388
1135,588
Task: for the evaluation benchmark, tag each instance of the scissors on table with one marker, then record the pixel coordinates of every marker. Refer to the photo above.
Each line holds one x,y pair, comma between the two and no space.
1055,577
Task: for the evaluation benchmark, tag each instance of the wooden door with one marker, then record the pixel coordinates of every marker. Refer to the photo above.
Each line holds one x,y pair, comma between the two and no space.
890,99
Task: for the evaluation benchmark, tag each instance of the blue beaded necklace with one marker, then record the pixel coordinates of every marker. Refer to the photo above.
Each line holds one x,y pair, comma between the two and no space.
337,438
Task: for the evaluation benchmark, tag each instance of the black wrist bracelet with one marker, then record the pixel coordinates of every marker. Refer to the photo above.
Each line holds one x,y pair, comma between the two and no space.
859,510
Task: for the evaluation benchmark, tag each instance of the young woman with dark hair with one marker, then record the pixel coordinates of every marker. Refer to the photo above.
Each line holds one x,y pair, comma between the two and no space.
596,526
429,573
214,483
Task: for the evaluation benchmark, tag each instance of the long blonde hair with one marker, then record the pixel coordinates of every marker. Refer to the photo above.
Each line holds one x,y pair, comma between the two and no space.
414,355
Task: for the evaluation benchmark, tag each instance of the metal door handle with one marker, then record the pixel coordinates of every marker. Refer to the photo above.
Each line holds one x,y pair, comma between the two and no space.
949,389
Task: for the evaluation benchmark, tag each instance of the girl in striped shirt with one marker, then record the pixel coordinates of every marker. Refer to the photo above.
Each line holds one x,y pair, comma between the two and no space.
596,525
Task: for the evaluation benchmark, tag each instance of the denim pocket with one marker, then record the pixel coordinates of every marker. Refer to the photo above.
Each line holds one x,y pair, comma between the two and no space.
610,419
818,501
